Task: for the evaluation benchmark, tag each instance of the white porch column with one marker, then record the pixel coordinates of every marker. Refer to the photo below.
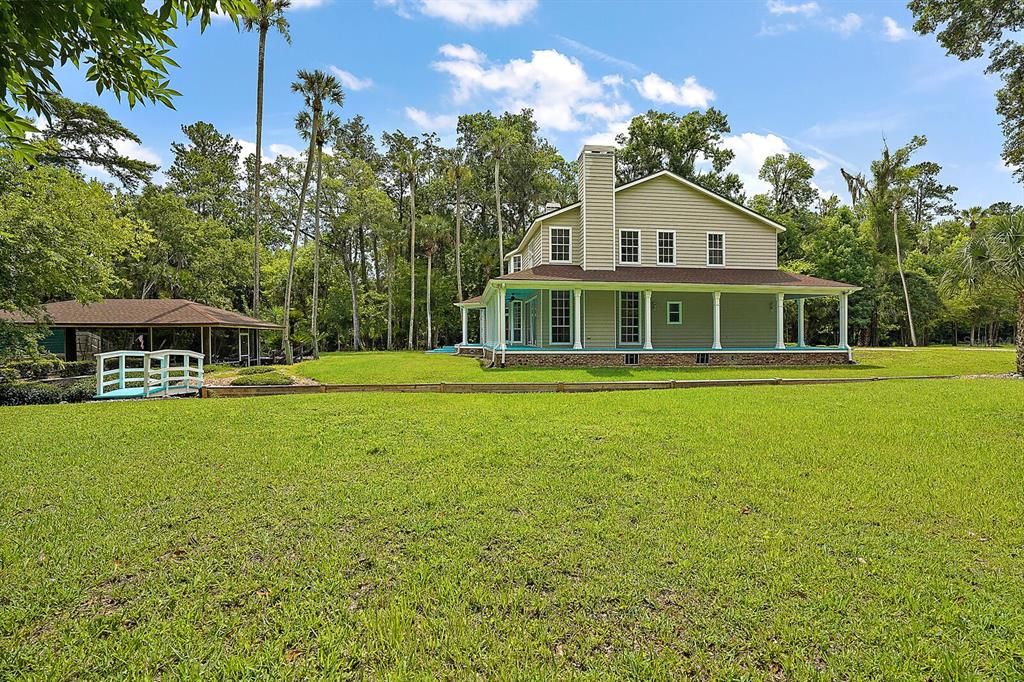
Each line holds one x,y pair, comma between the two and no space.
501,318
800,321
577,319
481,319
780,335
716,322
465,326
844,320
648,345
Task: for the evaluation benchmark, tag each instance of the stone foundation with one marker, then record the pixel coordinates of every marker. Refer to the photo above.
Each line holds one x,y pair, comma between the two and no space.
470,351
655,359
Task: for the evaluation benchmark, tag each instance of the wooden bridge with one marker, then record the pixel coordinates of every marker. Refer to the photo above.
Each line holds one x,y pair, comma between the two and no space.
148,374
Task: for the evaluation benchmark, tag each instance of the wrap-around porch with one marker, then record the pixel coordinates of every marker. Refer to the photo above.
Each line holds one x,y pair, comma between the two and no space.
664,325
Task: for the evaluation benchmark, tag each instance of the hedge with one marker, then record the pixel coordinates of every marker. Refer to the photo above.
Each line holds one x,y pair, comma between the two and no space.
44,394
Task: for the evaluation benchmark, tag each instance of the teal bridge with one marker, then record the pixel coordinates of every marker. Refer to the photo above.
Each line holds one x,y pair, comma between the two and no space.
148,374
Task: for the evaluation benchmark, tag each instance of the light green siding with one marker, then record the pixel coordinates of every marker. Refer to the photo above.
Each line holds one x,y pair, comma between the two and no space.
599,324
748,320
696,330
667,204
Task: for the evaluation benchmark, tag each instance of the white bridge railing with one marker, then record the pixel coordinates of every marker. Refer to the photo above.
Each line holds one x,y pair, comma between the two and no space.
136,373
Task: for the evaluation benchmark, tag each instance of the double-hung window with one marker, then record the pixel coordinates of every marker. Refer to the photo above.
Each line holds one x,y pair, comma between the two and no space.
666,247
515,264
674,312
629,247
561,245
716,248
560,317
629,317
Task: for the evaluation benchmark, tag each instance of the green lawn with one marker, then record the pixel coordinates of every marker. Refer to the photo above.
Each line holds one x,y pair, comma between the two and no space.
414,367
856,531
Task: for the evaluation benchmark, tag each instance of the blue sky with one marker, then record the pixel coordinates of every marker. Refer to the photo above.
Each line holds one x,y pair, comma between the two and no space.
828,80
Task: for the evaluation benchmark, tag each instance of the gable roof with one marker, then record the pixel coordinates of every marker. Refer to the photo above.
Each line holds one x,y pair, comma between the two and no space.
134,312
633,183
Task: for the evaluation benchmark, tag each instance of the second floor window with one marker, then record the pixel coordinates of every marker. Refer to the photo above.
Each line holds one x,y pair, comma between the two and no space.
716,248
516,265
629,246
666,248
560,245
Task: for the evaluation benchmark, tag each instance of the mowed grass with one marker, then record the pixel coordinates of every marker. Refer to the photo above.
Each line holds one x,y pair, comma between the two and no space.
808,532
415,367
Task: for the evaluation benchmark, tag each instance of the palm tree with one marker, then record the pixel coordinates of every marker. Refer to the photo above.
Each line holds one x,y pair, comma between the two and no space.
892,180
499,141
270,14
972,216
330,125
317,88
434,235
458,173
409,163
994,254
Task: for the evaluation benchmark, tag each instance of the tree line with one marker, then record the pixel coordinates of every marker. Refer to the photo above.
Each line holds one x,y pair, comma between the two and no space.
366,243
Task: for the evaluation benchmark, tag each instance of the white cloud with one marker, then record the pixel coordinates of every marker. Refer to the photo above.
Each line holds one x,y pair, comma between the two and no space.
468,13
248,149
689,93
134,150
284,150
846,26
464,52
1003,167
608,135
563,97
751,149
432,123
779,7
307,4
350,80
773,30
893,31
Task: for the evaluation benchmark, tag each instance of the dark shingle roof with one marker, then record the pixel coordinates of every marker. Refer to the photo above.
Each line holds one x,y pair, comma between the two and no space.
132,312
672,275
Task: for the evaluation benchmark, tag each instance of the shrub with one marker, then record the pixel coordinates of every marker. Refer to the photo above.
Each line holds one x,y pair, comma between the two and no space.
78,368
255,370
8,375
271,378
44,394
36,368
213,368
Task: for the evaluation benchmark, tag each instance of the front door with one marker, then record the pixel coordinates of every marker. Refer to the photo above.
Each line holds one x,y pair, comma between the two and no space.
515,323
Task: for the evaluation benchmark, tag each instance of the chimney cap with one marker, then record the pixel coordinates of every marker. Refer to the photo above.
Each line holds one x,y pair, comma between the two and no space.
598,148
552,206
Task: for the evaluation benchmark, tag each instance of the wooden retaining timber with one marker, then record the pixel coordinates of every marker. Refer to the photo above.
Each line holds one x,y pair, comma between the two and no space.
540,387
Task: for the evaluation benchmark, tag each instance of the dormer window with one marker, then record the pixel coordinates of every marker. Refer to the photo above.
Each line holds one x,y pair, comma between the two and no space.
561,245
515,264
629,247
716,248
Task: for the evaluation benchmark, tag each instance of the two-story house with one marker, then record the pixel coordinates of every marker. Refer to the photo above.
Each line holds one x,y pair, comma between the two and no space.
659,271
